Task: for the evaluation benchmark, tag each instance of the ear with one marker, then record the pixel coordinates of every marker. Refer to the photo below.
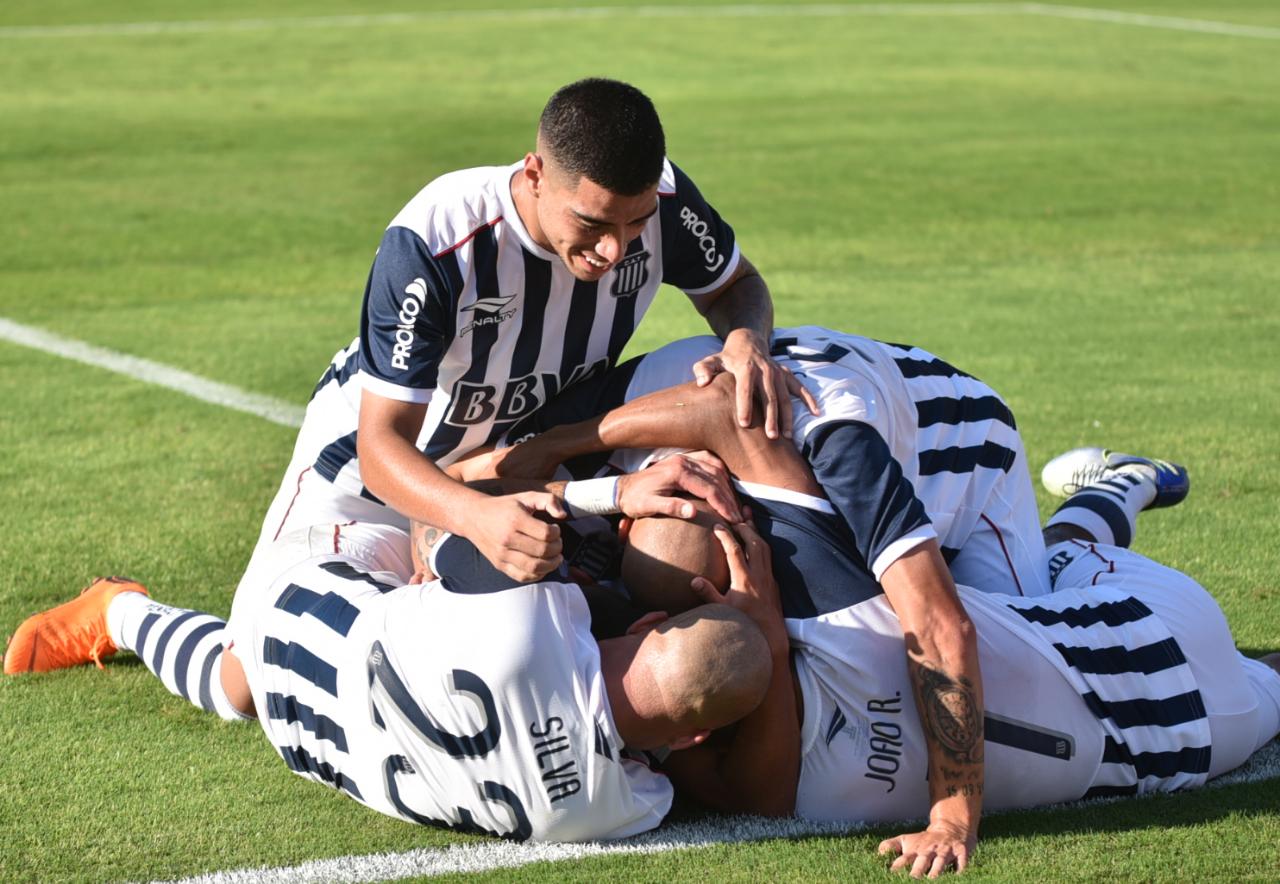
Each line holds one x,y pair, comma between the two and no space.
624,529
647,622
533,173
697,738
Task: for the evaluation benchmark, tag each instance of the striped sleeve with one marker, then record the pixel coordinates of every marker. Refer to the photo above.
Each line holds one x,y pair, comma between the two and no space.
407,320
699,252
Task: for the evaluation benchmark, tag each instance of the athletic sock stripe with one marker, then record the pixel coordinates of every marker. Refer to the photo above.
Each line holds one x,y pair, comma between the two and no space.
300,661
289,710
1188,759
919,368
1110,792
157,659
965,459
347,572
330,609
1108,510
1178,709
182,661
301,761
336,455
1107,613
1155,657
140,643
965,410
206,679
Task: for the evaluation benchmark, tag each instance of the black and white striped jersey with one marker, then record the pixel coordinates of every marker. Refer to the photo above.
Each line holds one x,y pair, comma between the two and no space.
463,311
1087,693
907,447
481,712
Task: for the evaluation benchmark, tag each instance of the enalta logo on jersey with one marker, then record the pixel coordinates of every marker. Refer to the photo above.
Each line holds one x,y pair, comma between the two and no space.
630,275
487,311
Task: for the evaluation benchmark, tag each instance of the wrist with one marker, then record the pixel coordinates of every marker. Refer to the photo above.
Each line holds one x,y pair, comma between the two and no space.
595,497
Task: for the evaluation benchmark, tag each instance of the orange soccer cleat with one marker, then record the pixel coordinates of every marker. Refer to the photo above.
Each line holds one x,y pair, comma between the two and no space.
71,634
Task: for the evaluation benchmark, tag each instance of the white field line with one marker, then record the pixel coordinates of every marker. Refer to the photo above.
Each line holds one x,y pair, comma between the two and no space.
746,10
1166,22
275,410
489,855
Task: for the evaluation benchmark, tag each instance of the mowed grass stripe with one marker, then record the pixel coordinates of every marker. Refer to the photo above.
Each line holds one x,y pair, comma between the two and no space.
286,414
1112,16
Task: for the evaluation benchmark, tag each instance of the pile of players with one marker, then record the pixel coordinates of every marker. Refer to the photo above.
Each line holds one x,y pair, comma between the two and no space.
510,586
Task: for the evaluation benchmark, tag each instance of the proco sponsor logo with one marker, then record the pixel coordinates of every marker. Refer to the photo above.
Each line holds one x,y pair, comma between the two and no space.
702,231
409,310
487,311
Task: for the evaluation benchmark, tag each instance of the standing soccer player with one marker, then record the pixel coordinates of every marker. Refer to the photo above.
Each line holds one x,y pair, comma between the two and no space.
497,287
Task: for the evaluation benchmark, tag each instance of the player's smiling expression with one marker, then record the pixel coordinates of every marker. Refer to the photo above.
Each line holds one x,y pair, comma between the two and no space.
587,225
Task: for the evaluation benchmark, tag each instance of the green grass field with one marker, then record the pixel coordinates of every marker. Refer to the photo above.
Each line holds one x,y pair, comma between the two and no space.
1082,213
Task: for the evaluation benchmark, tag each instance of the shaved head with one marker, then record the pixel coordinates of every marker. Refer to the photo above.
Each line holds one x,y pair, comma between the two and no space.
663,555
711,665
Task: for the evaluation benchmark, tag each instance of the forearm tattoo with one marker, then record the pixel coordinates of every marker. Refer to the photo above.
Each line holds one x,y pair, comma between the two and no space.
424,538
950,714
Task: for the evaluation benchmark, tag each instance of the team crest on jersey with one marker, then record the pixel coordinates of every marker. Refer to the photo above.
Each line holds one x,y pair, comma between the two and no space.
488,311
630,275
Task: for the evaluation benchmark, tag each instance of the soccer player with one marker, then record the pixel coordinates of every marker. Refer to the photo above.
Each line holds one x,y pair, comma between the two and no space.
497,287
912,464
447,705
1123,681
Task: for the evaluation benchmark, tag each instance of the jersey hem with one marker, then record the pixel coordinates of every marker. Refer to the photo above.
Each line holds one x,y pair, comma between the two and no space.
900,548
394,391
783,495
696,295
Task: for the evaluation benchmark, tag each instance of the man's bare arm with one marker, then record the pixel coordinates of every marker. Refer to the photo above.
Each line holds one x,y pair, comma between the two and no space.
741,314
504,529
759,771
685,416
942,660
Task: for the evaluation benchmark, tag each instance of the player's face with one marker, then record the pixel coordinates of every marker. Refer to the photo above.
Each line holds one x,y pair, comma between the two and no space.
588,226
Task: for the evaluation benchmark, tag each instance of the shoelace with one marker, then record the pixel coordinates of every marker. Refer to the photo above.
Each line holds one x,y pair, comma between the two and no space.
1086,476
99,646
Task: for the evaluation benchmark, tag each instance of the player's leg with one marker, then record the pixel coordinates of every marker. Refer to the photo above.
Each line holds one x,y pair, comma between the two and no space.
1105,491
1004,550
1241,697
181,647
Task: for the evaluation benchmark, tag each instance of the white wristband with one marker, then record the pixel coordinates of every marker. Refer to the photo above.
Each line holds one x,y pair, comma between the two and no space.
592,497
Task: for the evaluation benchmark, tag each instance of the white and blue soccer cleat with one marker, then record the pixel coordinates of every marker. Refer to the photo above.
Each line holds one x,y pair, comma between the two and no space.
1080,467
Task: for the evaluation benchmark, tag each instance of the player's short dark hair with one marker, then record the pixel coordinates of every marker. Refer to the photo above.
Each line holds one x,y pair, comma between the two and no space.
606,130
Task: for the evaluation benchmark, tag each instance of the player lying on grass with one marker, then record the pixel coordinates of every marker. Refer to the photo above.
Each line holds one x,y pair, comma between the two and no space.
908,457
460,707
496,711
1124,680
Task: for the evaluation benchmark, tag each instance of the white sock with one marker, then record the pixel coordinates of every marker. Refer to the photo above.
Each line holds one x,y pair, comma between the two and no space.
1108,509
182,648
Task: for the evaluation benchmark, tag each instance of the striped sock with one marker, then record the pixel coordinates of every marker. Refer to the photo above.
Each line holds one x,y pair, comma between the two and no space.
1108,509
182,648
